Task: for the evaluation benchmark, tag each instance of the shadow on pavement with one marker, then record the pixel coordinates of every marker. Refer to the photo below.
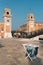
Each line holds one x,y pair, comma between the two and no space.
1,46
37,61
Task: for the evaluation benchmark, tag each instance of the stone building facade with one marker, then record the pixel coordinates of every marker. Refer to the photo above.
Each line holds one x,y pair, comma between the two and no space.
31,25
5,26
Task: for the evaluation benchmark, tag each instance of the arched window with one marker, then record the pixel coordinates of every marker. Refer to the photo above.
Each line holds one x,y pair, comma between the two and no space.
7,12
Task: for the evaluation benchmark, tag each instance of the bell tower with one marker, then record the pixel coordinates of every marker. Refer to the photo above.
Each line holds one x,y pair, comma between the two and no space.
7,23
30,23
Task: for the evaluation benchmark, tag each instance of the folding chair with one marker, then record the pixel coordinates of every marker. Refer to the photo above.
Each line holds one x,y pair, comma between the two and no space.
31,51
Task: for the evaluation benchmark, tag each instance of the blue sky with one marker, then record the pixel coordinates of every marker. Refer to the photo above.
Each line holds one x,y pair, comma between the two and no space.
20,9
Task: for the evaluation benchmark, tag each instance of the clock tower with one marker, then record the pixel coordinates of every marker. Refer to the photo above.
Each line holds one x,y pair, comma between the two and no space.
7,23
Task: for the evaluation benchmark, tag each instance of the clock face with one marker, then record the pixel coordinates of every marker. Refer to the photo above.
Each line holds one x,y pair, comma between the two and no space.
31,25
7,20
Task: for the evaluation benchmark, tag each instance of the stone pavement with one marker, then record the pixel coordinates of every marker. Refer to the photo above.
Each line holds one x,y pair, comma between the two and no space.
12,52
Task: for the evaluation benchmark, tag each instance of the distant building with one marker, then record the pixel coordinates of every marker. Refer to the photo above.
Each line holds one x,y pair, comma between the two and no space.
31,25
5,26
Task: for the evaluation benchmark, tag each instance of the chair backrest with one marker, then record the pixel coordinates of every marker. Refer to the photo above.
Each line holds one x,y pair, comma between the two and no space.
31,49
